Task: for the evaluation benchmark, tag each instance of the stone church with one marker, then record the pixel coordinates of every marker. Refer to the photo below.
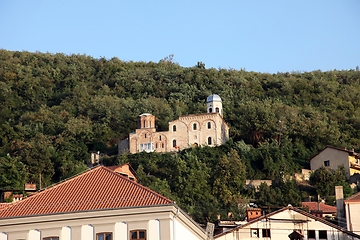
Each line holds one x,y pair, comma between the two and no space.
190,130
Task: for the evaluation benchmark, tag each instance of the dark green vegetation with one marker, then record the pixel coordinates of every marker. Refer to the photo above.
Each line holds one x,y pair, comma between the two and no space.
56,109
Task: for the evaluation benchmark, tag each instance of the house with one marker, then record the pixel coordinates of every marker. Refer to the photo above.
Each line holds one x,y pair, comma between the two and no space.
125,170
352,210
287,223
320,209
97,204
333,157
190,130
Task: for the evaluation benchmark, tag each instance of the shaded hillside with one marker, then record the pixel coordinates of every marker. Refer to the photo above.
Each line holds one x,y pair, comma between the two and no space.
56,109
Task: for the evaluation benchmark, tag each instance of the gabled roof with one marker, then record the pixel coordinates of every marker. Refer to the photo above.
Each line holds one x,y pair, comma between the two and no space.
350,152
315,206
353,199
96,189
268,216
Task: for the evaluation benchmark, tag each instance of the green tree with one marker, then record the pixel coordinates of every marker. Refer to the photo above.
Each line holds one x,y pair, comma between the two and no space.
13,173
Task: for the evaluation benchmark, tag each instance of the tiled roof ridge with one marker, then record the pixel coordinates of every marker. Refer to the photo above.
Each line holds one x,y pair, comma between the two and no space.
138,185
329,146
353,196
197,114
55,185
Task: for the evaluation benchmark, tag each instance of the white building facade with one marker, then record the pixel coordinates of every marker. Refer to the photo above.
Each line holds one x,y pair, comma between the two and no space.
288,221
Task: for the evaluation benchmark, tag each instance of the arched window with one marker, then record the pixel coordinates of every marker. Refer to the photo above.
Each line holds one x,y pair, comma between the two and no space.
210,110
138,234
174,143
174,128
156,145
194,126
217,110
160,137
145,135
209,125
104,236
144,123
209,141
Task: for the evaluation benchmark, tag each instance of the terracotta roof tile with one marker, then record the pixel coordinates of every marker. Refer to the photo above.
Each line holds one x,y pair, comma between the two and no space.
95,189
4,205
313,206
353,199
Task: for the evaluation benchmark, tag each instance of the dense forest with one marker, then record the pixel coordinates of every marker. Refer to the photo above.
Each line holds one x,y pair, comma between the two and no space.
56,109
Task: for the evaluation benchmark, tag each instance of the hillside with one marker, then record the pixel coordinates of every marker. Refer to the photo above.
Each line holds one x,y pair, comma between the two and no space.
56,109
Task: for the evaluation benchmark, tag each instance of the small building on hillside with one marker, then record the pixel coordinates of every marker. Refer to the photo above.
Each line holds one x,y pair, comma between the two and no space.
208,129
333,157
99,204
320,209
124,169
287,223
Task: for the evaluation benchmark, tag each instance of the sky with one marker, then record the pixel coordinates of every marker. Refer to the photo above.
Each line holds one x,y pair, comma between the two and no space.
254,35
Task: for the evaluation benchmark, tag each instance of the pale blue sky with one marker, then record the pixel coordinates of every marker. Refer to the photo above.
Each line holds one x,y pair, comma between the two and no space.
255,35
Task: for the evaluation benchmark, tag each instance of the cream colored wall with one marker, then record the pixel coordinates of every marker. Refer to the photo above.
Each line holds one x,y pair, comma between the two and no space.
181,232
336,157
281,229
352,217
184,135
157,221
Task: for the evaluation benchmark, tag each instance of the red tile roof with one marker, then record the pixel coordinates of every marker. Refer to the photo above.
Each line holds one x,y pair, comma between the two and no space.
4,205
313,206
96,189
353,199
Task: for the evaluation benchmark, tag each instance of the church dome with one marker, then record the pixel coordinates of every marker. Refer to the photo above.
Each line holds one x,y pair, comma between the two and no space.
213,98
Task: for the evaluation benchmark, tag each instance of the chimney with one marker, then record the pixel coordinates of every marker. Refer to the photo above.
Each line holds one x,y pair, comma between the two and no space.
339,196
253,213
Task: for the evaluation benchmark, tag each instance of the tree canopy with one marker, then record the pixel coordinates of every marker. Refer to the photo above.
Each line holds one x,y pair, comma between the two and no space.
56,109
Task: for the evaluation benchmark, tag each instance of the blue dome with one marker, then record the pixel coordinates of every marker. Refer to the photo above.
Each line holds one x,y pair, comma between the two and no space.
213,98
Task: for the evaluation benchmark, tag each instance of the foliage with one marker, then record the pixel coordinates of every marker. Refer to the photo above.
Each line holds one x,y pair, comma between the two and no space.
56,109
325,180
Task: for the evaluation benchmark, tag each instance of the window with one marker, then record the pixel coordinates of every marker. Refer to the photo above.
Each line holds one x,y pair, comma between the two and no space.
104,236
327,163
311,234
254,232
174,143
194,126
138,234
209,140
156,145
209,125
162,145
145,135
266,233
217,110
147,147
51,238
210,110
322,234
160,137
174,128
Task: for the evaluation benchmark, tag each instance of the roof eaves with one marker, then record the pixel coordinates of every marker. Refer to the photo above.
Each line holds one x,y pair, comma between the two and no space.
296,210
